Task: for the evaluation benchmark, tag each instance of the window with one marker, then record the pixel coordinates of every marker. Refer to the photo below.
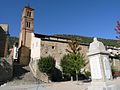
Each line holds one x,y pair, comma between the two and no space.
28,13
28,24
53,47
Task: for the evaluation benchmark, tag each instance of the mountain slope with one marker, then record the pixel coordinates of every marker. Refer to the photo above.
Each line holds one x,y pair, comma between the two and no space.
88,40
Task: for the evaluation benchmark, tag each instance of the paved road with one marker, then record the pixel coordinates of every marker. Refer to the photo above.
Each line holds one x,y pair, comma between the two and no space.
24,87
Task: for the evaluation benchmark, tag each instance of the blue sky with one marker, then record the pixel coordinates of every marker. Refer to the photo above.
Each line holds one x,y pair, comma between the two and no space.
94,18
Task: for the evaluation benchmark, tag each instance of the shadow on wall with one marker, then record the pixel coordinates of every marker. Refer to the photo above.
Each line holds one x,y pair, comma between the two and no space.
24,55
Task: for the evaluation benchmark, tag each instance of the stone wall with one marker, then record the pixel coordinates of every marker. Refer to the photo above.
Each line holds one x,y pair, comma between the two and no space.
35,56
49,46
57,49
36,73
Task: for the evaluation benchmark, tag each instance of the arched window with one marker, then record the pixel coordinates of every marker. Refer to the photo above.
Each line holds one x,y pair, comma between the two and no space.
28,13
28,24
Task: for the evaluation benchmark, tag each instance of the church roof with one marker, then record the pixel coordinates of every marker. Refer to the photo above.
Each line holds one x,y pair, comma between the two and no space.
48,36
55,38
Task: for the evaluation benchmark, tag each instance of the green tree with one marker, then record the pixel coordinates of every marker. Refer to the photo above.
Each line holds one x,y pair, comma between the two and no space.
74,61
46,64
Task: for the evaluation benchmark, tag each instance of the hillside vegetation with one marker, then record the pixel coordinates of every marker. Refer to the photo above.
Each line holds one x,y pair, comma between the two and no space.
88,40
12,40
83,40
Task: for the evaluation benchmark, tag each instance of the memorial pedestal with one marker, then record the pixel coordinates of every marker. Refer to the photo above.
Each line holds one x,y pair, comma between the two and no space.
100,67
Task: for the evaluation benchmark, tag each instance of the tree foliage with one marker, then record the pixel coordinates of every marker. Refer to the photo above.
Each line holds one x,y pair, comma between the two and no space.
71,63
117,29
46,64
12,40
74,46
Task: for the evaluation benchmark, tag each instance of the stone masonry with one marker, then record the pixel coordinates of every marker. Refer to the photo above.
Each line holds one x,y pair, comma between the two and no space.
57,50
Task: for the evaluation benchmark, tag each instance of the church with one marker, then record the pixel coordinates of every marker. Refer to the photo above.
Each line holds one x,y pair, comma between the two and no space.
36,45
33,46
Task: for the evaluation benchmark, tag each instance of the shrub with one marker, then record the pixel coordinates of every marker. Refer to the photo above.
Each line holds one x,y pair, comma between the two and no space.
46,64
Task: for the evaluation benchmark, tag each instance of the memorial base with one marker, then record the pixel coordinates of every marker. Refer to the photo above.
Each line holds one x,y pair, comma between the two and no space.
102,86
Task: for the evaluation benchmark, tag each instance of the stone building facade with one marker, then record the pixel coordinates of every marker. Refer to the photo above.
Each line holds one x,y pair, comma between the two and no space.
50,45
4,33
54,46
45,45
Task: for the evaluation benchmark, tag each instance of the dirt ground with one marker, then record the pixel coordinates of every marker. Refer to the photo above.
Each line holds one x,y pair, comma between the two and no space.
69,85
74,85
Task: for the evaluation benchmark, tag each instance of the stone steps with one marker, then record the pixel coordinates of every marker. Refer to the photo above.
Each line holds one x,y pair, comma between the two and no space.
22,76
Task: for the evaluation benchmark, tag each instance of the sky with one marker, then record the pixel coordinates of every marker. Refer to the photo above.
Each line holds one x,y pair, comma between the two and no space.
92,18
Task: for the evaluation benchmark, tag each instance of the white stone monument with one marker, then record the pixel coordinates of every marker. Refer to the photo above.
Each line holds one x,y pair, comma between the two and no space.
100,67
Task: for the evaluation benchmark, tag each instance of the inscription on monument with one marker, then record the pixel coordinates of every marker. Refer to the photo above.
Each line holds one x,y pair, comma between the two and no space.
95,68
106,67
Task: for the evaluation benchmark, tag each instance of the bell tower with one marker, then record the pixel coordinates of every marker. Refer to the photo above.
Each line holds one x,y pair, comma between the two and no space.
27,26
26,30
